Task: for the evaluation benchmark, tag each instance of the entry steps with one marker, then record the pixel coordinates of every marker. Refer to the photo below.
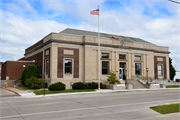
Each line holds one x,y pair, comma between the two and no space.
137,84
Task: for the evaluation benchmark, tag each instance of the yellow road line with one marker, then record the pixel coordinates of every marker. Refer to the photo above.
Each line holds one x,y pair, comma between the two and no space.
43,103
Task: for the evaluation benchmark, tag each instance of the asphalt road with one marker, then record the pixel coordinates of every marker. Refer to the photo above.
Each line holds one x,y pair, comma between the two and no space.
101,106
6,93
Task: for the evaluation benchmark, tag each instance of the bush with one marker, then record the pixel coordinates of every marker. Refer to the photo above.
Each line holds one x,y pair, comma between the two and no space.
102,86
34,83
79,86
112,77
23,76
92,85
29,72
57,86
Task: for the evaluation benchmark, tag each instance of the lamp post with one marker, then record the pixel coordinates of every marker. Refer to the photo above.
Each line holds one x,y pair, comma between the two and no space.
126,75
147,75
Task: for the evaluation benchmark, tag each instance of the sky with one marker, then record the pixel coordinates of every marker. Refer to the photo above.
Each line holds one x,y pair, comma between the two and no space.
24,22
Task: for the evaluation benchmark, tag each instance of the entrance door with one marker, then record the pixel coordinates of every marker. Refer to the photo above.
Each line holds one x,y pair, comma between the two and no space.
121,73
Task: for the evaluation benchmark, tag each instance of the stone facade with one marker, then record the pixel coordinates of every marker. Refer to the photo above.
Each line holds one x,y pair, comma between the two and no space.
83,51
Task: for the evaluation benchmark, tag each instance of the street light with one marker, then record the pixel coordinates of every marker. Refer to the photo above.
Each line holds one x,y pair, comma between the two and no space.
147,75
174,1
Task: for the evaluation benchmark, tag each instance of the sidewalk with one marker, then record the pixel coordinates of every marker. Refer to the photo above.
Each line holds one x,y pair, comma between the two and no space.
29,93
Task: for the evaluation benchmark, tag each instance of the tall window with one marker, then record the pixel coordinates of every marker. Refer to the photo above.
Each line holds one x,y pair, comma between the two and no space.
160,70
68,66
105,55
105,67
138,68
137,58
122,57
47,66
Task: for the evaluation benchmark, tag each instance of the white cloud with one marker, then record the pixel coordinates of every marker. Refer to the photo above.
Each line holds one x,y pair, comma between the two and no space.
129,21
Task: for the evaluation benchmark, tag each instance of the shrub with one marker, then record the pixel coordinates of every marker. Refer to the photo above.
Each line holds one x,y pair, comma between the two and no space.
92,85
57,86
102,86
112,77
31,71
79,85
34,83
23,76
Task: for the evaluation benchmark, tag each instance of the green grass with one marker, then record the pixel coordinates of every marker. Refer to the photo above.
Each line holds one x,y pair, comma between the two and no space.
41,92
165,109
172,86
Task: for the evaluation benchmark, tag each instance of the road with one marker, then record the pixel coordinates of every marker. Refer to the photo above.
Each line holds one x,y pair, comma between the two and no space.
6,93
100,106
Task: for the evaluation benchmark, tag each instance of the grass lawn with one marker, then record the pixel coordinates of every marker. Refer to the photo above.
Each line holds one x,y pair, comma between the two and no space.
41,92
24,88
165,109
172,86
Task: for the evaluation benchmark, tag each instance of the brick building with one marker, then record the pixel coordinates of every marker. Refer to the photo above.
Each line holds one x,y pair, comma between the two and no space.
72,56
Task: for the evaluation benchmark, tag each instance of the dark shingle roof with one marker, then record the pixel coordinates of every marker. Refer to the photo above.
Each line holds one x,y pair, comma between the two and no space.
104,35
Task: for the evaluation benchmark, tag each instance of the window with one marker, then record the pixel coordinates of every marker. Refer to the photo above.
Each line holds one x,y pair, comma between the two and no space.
105,55
122,57
47,66
137,58
160,70
138,68
68,66
105,67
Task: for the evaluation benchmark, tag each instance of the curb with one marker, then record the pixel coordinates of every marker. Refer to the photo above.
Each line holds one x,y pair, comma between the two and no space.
93,92
12,91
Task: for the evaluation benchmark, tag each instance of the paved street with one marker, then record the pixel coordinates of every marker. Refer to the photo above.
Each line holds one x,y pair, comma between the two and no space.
100,106
6,93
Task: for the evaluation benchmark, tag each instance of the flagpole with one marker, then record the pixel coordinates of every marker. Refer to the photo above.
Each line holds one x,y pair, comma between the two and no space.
98,55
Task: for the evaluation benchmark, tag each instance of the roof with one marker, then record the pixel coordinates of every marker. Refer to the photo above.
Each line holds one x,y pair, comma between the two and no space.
104,35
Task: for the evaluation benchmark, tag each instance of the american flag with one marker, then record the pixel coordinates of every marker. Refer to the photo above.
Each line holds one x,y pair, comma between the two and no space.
95,12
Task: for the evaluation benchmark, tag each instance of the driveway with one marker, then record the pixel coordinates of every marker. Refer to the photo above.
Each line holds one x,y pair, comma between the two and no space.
6,93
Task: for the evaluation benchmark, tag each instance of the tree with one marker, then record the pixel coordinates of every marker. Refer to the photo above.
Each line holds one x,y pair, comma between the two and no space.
29,72
23,76
171,69
112,77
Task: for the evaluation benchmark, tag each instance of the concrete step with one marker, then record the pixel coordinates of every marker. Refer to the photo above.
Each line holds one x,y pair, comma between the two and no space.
137,84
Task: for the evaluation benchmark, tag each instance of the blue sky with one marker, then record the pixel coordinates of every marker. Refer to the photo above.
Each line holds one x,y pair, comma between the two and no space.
24,22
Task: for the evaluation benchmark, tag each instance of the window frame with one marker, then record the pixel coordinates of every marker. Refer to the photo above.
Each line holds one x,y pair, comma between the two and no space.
108,67
160,70
122,55
137,56
68,66
140,69
47,66
105,57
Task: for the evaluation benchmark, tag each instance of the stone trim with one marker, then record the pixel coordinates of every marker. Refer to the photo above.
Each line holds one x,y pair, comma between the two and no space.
94,44
60,65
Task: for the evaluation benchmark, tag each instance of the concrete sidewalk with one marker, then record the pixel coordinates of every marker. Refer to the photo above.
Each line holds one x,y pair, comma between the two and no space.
29,93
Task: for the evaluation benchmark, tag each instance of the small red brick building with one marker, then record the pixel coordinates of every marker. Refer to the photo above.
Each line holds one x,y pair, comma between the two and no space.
12,70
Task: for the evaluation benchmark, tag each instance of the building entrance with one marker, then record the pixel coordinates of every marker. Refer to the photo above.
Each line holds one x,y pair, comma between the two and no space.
122,75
